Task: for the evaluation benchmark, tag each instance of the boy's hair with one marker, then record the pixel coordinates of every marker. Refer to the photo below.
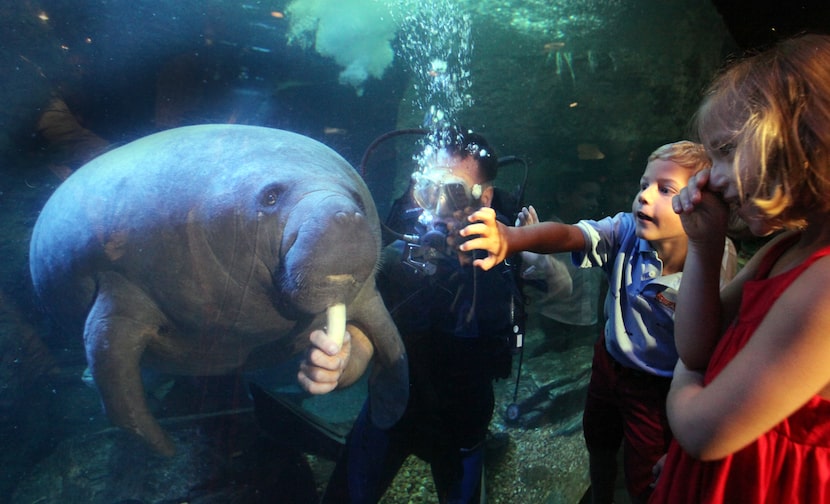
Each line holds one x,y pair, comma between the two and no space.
774,109
684,153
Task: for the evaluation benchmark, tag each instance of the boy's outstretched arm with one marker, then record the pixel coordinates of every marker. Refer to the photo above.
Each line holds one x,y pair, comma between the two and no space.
500,241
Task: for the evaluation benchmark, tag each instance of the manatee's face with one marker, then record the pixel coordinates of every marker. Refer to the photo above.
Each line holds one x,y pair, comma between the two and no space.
323,241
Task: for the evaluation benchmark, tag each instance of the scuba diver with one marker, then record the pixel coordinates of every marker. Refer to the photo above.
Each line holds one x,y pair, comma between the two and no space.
457,324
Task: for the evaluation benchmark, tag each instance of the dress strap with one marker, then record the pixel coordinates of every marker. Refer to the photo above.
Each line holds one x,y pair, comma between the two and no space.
777,250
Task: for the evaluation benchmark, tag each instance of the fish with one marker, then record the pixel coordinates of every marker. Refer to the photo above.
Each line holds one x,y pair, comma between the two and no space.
329,130
553,46
589,151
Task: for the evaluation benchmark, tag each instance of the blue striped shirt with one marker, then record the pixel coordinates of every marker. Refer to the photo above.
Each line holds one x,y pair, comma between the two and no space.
639,307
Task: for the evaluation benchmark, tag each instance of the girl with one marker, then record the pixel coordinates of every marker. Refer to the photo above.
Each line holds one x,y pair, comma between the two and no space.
750,400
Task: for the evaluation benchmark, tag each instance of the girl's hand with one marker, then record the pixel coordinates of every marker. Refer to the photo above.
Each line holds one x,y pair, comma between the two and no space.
703,213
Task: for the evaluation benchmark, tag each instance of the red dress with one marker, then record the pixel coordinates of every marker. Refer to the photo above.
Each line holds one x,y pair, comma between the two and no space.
788,464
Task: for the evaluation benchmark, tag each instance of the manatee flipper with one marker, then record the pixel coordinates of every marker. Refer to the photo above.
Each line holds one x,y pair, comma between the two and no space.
389,382
389,392
119,326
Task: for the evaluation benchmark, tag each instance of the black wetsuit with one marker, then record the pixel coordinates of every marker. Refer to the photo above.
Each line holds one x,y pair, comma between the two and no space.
457,326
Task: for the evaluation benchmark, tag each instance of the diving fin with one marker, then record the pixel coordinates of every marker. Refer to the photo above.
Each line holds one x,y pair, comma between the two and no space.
289,424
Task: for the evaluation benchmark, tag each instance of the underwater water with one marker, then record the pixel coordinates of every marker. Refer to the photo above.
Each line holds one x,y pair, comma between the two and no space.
566,86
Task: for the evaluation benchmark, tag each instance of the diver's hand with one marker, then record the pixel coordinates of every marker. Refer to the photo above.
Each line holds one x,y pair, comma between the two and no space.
486,234
325,362
703,212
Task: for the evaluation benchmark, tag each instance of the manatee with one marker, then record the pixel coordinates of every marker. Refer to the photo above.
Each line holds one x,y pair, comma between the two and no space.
209,249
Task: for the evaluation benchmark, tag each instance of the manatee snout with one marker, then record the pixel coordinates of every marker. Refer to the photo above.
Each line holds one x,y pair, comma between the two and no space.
331,252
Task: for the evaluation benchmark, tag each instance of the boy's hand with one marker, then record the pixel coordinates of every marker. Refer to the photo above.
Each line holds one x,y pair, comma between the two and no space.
487,234
657,470
703,213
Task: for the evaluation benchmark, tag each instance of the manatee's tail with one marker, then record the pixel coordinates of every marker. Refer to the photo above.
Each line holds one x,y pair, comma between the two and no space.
289,424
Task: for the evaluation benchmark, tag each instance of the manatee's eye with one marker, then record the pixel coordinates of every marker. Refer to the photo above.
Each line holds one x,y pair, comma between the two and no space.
270,196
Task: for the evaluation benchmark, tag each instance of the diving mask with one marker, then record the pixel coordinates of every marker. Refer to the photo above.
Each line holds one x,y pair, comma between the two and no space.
442,194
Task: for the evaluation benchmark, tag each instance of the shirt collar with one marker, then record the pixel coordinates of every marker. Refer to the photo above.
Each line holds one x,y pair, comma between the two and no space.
671,281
